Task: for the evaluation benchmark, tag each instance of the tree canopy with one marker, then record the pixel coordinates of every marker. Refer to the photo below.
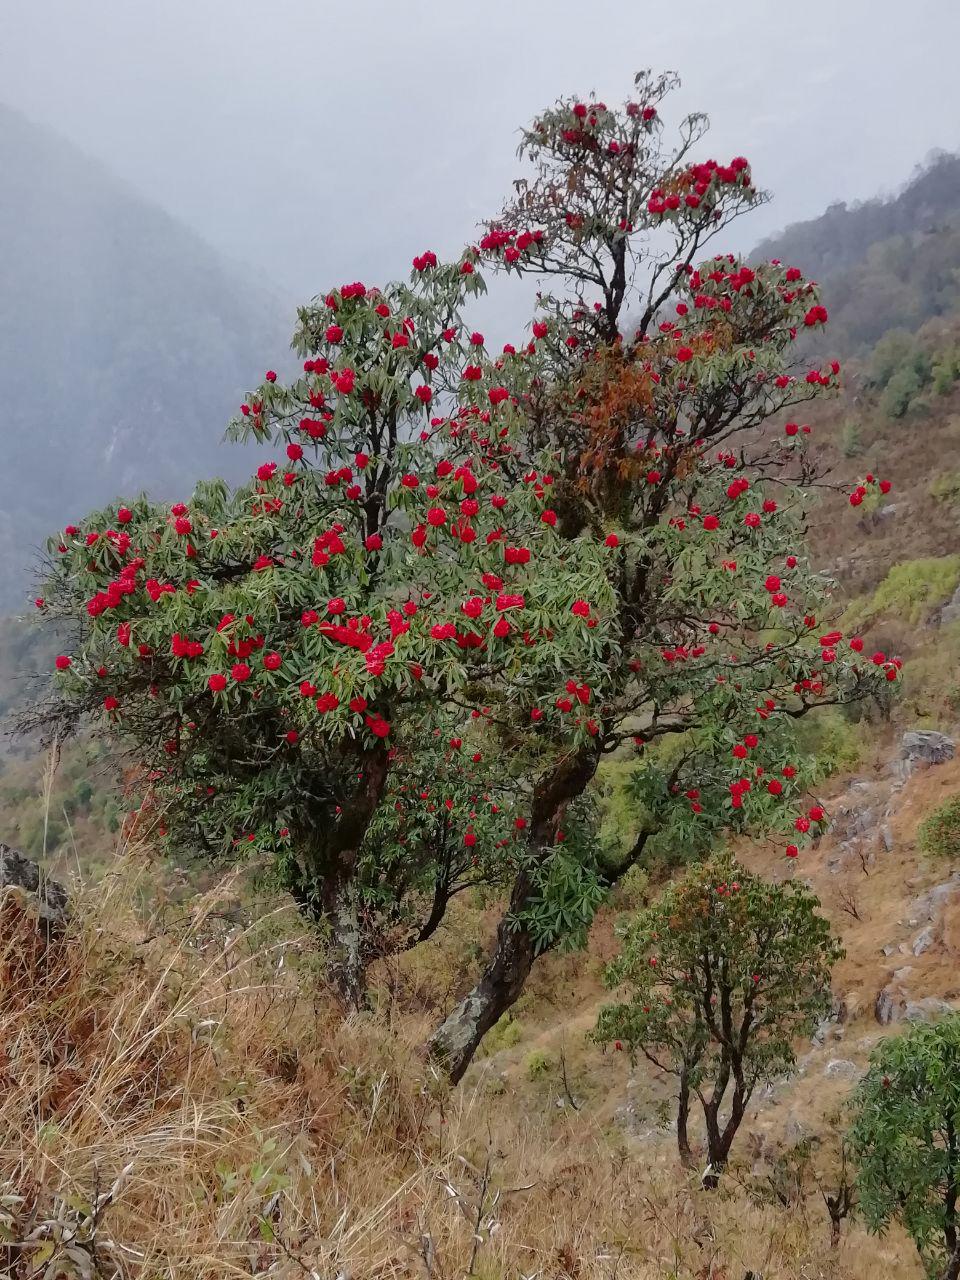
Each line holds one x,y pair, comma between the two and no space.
906,1140
588,543
724,972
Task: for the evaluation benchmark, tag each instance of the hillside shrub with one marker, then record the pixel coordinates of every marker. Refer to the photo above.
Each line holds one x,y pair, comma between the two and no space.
945,487
834,742
906,1140
939,833
722,975
909,593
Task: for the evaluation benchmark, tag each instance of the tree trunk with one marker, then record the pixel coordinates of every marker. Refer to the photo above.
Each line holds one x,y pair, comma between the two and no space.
715,1160
952,1271
683,1116
457,1039
719,1142
346,959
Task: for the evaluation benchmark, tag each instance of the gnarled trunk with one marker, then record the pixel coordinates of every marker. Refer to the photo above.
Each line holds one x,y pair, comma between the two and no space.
346,959
322,878
457,1039
719,1141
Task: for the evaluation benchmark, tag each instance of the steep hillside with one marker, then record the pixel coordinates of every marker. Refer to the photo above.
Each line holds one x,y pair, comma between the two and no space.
125,343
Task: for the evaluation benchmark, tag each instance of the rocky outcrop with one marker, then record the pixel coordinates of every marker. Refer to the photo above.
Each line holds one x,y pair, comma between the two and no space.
19,872
889,1006
926,1010
841,1069
923,941
951,610
926,746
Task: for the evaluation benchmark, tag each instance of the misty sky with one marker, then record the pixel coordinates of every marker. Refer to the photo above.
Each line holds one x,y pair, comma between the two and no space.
317,142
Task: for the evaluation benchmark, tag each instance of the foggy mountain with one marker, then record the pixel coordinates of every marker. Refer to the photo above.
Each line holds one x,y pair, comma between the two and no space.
891,262
126,343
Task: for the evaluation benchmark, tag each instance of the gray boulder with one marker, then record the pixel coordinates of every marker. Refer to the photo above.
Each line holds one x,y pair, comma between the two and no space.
923,941
926,746
841,1069
951,610
888,1007
18,872
926,1010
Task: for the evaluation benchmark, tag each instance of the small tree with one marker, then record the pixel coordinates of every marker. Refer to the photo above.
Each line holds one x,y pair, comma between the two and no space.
726,971
906,1140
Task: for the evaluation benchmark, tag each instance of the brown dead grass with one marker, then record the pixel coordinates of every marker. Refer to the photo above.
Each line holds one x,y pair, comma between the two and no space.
187,1104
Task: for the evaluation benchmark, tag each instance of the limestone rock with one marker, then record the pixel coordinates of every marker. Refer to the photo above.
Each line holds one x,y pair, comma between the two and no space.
951,610
18,872
888,1007
951,924
927,905
923,941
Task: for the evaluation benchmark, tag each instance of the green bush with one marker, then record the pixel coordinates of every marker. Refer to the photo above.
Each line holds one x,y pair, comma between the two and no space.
851,443
946,371
900,392
632,889
939,833
537,1064
895,352
945,487
904,1141
909,592
504,1035
832,740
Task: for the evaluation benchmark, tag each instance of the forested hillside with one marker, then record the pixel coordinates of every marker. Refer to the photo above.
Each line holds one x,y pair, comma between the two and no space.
125,344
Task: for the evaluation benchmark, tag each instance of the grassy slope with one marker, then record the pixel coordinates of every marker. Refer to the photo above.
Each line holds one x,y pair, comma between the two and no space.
237,1126
271,1133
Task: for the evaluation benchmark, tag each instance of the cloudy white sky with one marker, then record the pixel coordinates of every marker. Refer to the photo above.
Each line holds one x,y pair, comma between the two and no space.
315,141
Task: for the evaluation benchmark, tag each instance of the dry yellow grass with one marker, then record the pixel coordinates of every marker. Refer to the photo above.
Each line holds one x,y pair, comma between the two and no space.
188,1105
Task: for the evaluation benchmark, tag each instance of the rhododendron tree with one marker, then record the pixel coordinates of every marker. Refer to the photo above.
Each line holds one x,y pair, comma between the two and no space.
266,651
676,440
589,542
454,818
723,974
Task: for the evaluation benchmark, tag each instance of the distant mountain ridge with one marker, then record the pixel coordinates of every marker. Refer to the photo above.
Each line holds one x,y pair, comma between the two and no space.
126,343
886,263
842,235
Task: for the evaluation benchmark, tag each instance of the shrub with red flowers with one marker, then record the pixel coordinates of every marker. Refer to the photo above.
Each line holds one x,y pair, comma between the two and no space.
266,650
664,443
591,542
